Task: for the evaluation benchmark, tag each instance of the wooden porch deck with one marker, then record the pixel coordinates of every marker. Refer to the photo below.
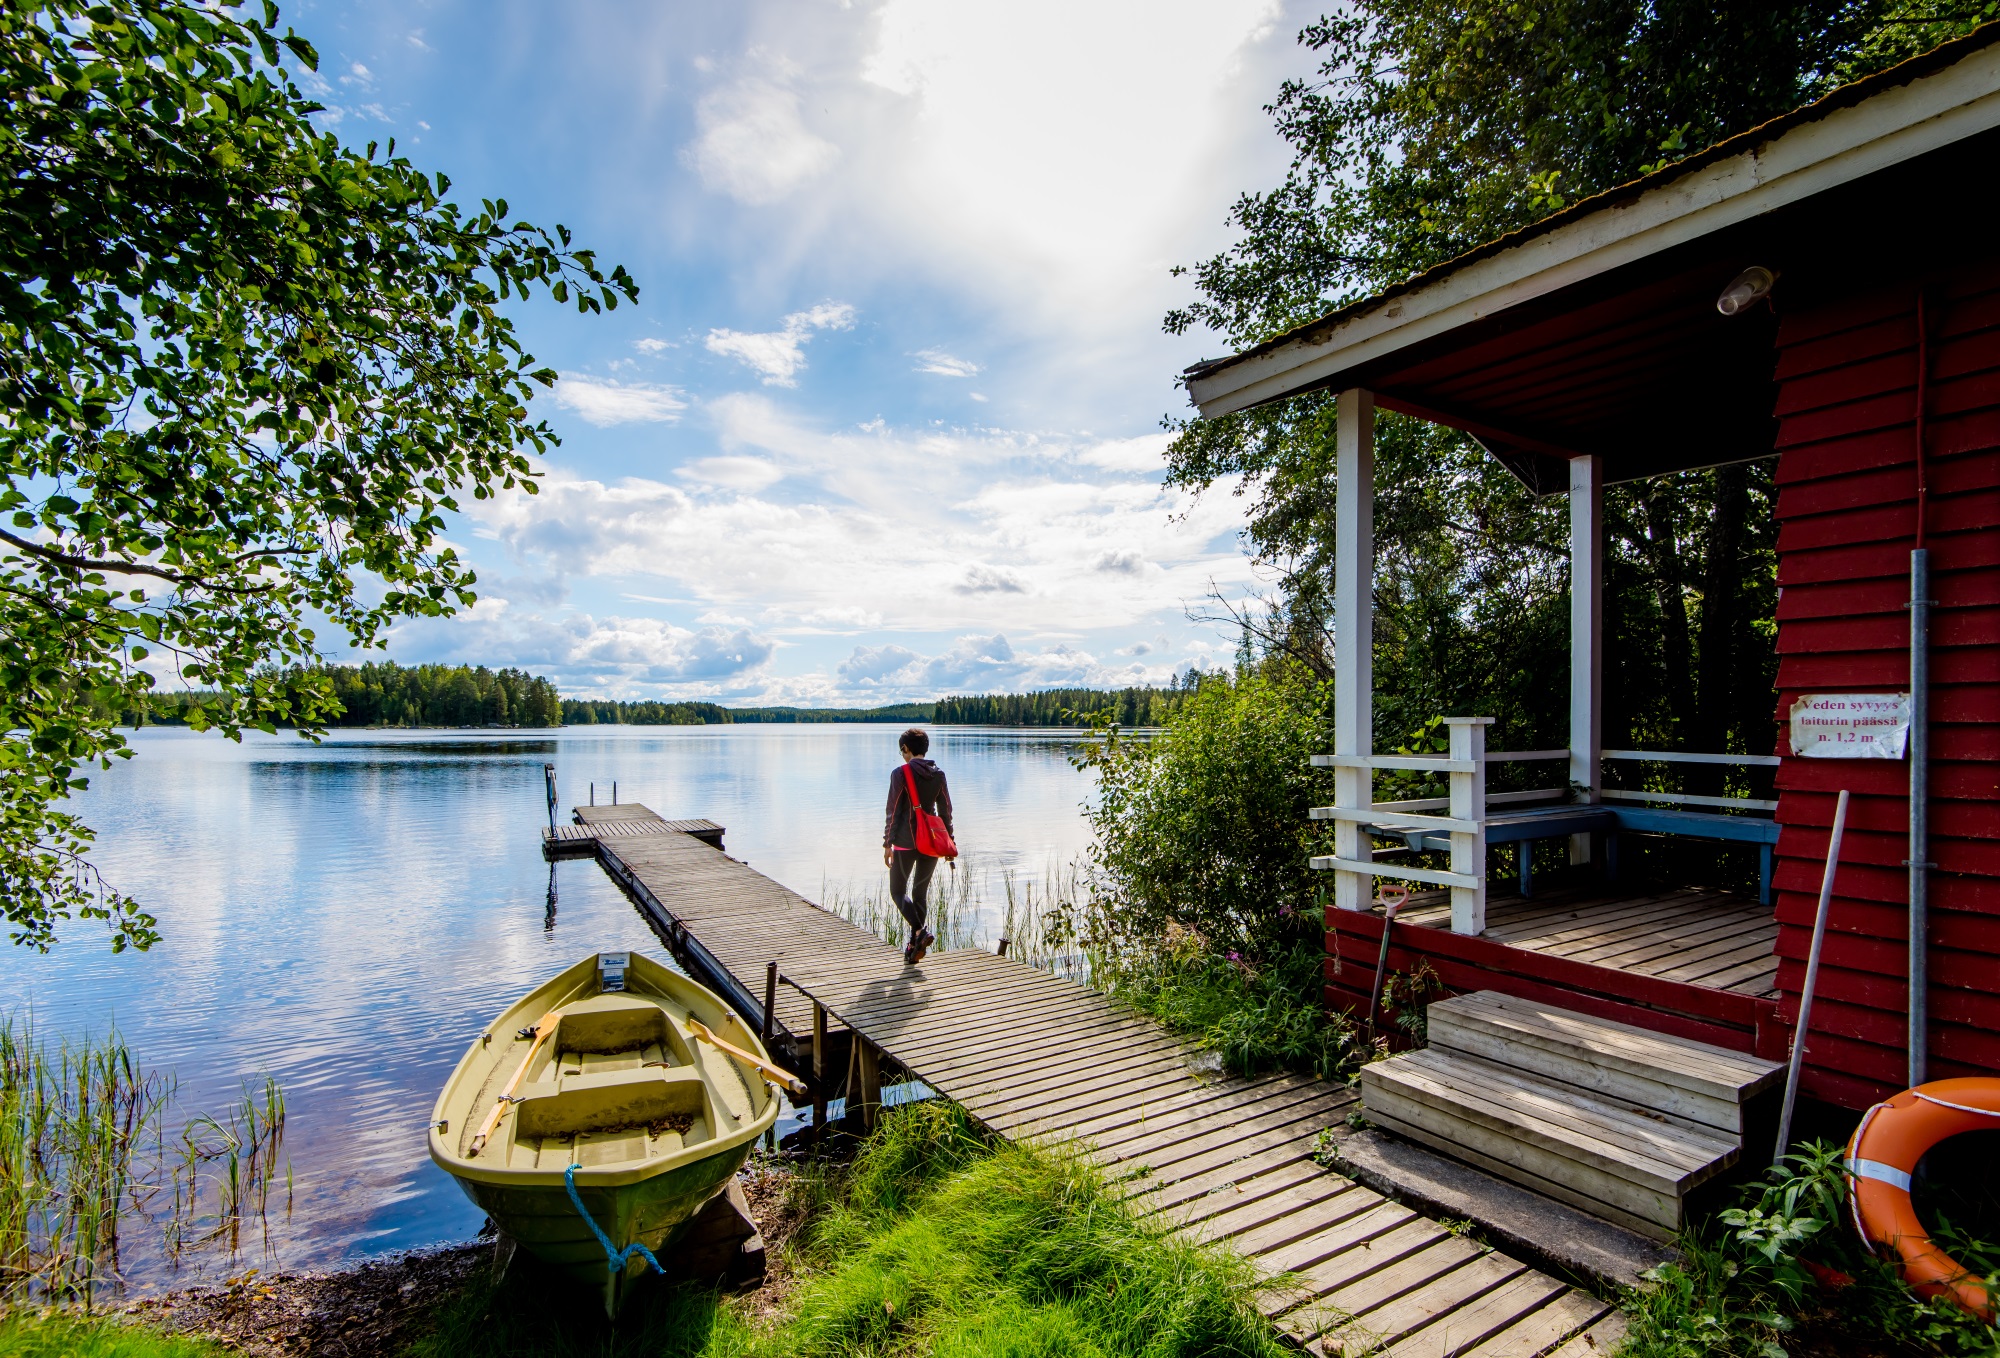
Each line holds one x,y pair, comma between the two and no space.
1715,939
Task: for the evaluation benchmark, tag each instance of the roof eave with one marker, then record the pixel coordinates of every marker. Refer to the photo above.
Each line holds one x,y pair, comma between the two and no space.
1784,162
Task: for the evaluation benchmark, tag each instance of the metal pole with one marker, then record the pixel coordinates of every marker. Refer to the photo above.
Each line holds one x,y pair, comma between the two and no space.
614,792
1920,808
549,778
1391,903
1812,979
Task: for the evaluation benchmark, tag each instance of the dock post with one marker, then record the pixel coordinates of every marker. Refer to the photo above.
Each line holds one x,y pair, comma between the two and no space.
869,1073
819,1072
1001,951
770,1003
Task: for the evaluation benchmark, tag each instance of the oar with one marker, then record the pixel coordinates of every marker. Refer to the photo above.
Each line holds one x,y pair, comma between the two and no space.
541,1031
783,1077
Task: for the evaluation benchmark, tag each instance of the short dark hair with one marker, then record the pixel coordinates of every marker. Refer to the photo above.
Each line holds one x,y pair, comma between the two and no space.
916,740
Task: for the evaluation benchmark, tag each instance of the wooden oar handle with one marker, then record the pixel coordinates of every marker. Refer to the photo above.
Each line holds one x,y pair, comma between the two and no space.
541,1030
781,1076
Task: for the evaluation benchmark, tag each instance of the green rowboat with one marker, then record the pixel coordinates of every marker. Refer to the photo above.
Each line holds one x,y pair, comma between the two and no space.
642,1080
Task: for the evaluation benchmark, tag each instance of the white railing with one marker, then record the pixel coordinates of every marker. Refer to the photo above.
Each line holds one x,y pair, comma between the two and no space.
1465,766
1466,806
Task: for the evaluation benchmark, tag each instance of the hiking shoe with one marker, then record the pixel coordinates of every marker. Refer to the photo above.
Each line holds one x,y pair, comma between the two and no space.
910,954
921,944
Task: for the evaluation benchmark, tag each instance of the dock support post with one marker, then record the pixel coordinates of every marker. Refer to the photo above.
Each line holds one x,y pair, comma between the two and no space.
1468,803
819,1072
770,1004
1586,636
869,1073
1353,632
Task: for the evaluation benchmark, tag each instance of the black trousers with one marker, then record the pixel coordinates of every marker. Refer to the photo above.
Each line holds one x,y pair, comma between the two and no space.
910,886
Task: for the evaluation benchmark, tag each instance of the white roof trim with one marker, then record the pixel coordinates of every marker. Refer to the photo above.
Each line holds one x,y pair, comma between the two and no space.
1899,124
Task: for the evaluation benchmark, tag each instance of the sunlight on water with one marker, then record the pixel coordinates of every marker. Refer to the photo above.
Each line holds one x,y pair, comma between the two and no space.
346,917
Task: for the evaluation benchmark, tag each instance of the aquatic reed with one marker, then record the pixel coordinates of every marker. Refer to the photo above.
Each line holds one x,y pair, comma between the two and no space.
238,1154
963,915
72,1119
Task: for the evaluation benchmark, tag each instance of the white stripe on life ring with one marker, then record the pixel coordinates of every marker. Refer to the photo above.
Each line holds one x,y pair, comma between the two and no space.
1879,1172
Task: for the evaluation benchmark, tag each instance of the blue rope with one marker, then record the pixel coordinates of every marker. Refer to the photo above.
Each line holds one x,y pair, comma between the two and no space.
614,1258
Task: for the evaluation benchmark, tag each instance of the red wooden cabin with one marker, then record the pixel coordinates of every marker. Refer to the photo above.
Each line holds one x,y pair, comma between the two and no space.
1590,349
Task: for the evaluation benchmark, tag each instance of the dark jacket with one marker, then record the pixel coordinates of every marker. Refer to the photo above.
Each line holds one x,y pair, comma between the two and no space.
898,828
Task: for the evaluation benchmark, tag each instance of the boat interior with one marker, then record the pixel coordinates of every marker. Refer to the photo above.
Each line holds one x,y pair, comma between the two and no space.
621,1081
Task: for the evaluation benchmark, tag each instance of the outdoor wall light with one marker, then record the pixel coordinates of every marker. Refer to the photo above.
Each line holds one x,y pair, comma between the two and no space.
1753,284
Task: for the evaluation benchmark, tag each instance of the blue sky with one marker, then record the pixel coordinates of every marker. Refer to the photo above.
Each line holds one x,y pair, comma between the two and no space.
885,421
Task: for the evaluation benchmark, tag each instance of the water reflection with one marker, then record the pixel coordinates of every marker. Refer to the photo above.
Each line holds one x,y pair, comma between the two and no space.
345,916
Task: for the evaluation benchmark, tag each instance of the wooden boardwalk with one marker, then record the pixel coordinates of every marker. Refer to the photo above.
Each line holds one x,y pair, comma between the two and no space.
1223,1159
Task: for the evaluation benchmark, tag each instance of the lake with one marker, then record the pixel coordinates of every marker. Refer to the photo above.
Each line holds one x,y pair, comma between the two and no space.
347,916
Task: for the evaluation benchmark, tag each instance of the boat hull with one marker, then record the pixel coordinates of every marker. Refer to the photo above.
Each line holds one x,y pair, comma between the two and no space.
653,1212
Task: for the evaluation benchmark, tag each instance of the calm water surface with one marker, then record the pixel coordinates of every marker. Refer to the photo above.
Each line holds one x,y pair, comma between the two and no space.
347,916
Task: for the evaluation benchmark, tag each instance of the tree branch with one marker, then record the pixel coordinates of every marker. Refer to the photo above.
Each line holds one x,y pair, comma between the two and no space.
115,567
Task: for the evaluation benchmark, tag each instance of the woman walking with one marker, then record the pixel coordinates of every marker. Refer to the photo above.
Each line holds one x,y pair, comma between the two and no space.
910,871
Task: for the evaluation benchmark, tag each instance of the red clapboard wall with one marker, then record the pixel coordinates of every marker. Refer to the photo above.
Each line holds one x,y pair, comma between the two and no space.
1847,510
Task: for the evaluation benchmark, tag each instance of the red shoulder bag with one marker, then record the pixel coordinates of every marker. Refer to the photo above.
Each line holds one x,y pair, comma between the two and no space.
927,827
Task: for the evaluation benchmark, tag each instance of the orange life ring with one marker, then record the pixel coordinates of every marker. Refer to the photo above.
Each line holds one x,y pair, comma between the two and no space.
1892,1137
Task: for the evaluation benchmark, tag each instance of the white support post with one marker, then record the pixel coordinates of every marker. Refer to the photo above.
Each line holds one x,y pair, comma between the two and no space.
1353,633
1468,803
1586,636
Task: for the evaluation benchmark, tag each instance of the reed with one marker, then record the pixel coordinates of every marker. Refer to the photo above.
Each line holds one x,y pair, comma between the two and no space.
237,1156
72,1121
963,915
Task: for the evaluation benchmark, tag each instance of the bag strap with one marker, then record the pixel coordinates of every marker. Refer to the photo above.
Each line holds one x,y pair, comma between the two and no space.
916,806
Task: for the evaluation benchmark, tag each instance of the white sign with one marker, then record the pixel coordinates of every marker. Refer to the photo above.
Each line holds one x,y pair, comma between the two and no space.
1851,725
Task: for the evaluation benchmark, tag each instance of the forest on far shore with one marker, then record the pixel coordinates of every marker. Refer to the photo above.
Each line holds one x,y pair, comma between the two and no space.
383,693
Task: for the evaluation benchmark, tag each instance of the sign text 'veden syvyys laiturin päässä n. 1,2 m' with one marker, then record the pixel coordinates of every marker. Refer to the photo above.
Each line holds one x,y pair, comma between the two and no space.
1851,725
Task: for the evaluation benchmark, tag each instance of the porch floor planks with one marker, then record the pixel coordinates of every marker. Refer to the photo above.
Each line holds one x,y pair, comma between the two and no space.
1702,937
1222,1159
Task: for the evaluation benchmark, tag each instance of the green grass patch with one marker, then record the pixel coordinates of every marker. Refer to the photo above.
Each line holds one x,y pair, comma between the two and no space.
933,1241
32,1335
1783,1274
1255,1017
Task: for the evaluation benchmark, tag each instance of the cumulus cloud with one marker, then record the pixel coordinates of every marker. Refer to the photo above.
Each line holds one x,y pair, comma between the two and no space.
989,580
751,143
777,355
943,364
1120,561
653,346
607,403
977,663
737,473
618,656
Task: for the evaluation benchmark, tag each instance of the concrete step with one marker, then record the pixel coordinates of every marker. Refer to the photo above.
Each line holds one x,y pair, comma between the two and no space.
1611,1158
1694,1083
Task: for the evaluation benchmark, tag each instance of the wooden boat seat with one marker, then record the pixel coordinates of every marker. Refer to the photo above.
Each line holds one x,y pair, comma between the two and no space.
618,1099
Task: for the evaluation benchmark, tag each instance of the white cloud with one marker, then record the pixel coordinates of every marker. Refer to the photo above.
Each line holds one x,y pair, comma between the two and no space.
607,403
752,144
612,656
778,355
981,664
916,530
738,473
1147,453
653,346
415,38
943,364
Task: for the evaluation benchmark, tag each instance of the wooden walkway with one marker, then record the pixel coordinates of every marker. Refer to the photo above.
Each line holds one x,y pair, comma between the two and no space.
1223,1159
1715,939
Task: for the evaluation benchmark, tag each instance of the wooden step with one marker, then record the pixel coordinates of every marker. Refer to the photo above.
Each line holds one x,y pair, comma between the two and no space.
1605,1156
1693,1082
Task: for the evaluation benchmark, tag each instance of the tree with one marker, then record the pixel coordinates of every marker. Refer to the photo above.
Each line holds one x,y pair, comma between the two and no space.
1431,127
245,372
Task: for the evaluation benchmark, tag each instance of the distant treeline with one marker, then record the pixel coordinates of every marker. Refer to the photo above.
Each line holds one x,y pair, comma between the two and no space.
1129,707
383,693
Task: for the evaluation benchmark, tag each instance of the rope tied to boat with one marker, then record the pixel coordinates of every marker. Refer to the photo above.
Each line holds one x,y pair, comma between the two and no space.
614,1258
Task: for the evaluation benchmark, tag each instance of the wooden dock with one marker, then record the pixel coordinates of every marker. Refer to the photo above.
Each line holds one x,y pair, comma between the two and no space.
1227,1160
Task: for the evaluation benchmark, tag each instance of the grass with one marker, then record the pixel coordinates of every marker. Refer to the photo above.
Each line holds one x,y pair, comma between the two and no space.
959,910
1253,1017
32,1335
1783,1274
933,1241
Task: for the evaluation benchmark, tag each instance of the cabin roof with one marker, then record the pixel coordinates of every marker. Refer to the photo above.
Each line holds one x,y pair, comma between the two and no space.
1595,330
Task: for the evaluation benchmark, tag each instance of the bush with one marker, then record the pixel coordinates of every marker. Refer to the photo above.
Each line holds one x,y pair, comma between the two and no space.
1785,1275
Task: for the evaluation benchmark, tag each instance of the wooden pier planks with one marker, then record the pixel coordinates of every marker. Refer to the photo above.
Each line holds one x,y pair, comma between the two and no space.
1226,1160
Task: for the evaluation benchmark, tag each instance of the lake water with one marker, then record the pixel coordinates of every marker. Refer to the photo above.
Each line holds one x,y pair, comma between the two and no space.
347,916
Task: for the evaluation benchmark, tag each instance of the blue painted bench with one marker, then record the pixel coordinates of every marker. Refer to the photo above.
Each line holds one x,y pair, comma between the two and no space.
1559,822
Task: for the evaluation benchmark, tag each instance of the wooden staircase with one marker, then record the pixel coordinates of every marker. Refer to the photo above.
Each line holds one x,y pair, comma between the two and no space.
1619,1121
